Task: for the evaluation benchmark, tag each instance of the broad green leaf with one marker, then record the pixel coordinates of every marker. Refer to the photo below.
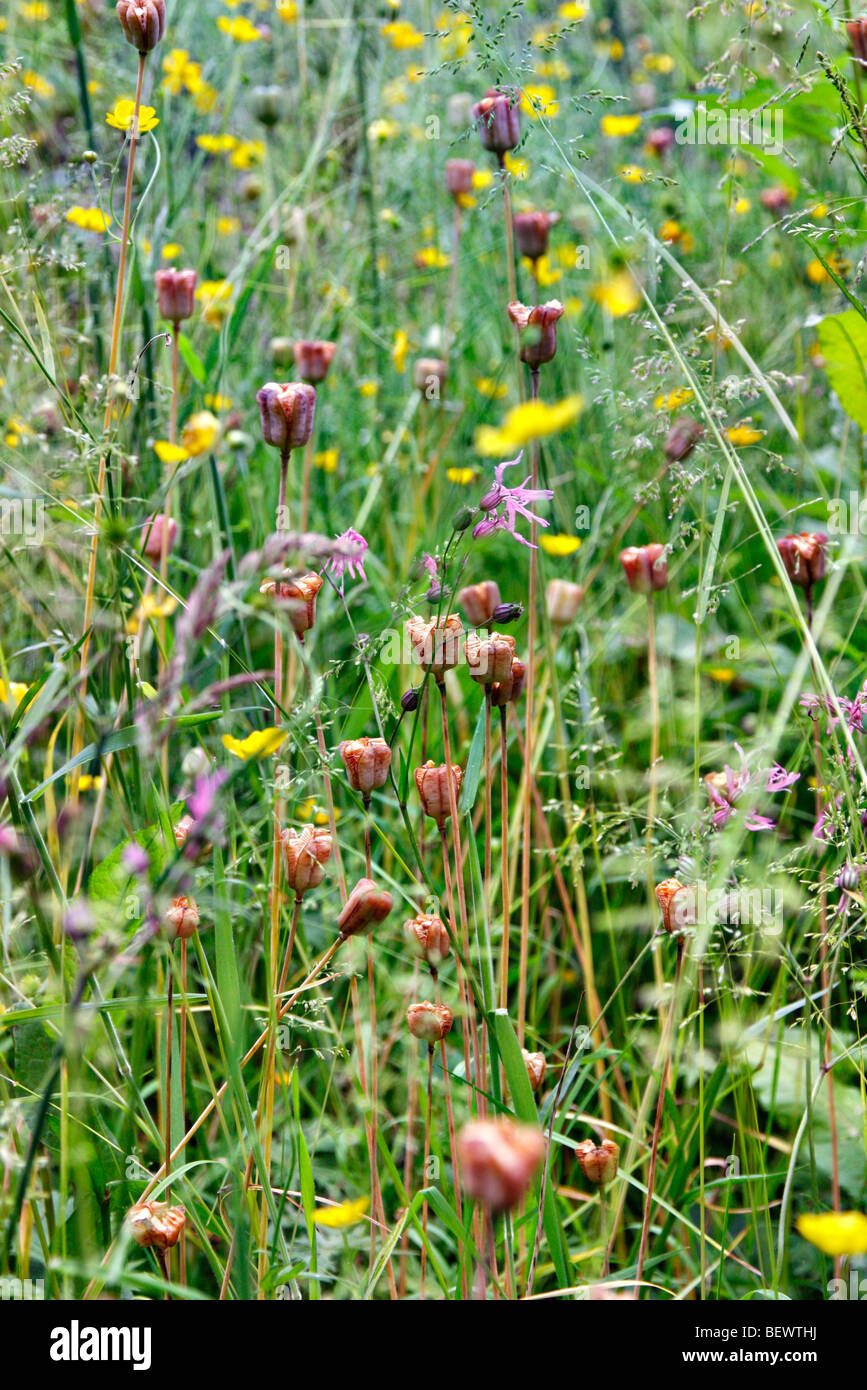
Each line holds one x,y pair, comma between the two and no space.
843,340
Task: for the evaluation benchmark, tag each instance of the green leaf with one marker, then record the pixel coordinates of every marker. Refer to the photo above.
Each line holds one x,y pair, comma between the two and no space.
195,364
843,340
470,784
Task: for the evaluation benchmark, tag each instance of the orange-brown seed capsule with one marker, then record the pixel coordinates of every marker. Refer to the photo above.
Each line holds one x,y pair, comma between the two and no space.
432,785
182,919
143,22
365,907
429,1022
598,1161
645,567
367,761
490,658
536,1067
436,646
305,854
313,358
675,902
498,1159
428,939
156,1225
562,601
479,601
504,692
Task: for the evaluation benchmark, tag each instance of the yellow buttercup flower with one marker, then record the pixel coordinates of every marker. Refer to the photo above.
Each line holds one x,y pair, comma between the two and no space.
673,400
89,219
217,402
13,694
537,101
169,453
741,206
560,545
741,435
151,607
517,167
523,423
399,350
383,129
88,783
431,258
722,674
247,153
239,29
368,388
544,272
228,226
658,62
262,743
214,296
171,251
835,1233
216,144
327,460
39,85
120,117
402,35
287,10
632,173
619,294
494,390
200,433
572,11
463,476
614,126
347,1214
482,178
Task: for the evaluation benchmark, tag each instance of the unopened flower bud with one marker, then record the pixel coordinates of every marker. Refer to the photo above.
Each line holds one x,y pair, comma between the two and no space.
282,350
531,232
429,1022
367,761
312,359
776,199
428,939
156,1225
365,907
504,692
598,1161
479,602
143,22
498,1160
287,413
537,330
674,908
857,31
305,854
645,567
176,290
661,139
409,700
182,919
804,557
432,785
562,601
153,531
267,104
498,120
462,519
507,612
536,1067
459,177
300,598
436,645
682,439
490,658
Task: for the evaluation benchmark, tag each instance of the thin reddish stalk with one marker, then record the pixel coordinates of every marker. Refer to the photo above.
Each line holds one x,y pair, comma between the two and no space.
526,847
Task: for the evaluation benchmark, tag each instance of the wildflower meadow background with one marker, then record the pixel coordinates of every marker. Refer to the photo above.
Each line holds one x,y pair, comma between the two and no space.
433,666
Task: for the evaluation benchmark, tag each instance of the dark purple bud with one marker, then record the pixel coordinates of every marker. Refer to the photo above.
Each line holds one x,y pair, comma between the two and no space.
409,700
507,612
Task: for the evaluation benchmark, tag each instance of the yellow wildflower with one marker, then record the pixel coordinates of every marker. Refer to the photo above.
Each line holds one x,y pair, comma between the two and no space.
383,129
619,294
462,476
218,402
518,168
741,206
431,258
560,545
13,694
835,1233
537,101
228,226
741,435
287,10
89,219
169,453
674,399
523,423
614,126
239,29
200,433
572,12
402,35
347,1214
494,390
262,743
214,295
543,271
368,388
400,349
88,783
40,85
326,460
171,250
216,144
120,116
632,173
722,674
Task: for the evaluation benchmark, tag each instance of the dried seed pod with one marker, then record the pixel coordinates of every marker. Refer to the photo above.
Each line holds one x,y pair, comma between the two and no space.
536,1067
490,658
459,177
176,291
804,557
429,1022
156,1225
498,120
498,1159
645,567
181,919
682,439
428,939
504,692
531,232
143,22
562,601
429,377
300,595
676,904
432,785
365,907
367,761
152,535
537,330
436,646
479,602
287,413
598,1161
305,854
313,358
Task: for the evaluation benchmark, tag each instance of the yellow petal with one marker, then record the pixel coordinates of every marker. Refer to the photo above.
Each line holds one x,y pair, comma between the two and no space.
260,744
835,1233
347,1214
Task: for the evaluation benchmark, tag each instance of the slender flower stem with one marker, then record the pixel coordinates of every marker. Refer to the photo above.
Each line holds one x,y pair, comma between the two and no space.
164,539
305,493
504,857
103,461
453,1150
453,932
182,1058
488,799
453,276
526,847
653,692
430,1061
665,1047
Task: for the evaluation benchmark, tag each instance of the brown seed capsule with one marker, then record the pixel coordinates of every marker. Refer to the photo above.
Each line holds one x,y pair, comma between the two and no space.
313,359
305,854
676,905
143,22
479,601
287,413
776,199
175,294
804,557
156,1225
504,692
428,939
181,830
365,907
562,601
682,439
598,1161
182,919
429,1022
537,330
436,646
498,1159
498,120
299,595
432,785
536,1067
490,658
660,140
645,567
367,761
459,177
531,232
429,377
